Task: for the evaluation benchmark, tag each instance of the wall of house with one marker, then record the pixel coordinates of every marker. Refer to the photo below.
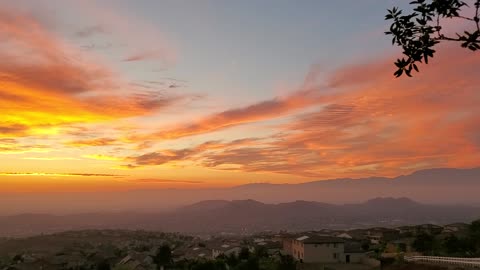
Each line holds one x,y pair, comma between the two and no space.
354,257
298,251
327,253
287,246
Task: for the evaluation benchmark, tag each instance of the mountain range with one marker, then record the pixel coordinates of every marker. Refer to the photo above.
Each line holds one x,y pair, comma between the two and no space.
249,216
432,186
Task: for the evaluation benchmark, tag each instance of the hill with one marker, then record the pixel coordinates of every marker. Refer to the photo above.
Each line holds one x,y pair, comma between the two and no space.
251,216
433,186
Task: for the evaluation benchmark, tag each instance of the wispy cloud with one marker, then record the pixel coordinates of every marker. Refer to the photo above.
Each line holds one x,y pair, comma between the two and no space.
50,158
93,142
47,83
12,146
164,181
147,55
191,154
59,174
102,157
372,125
265,110
91,30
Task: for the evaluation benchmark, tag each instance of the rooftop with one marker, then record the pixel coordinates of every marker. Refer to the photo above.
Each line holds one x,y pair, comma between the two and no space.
318,239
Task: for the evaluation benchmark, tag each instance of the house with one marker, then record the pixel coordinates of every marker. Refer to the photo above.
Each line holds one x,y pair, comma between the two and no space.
272,247
325,249
137,261
225,249
406,230
375,238
455,228
378,235
344,236
287,244
429,228
353,252
197,253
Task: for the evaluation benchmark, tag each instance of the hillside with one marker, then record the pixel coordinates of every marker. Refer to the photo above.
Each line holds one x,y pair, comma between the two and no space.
250,216
434,186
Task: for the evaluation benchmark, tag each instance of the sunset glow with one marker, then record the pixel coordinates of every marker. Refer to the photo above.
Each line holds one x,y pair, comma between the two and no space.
147,95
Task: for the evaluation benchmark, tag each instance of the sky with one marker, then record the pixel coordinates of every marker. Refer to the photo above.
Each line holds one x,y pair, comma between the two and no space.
125,95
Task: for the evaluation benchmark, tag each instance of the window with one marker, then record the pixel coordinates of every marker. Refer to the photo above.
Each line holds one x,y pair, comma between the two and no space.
334,255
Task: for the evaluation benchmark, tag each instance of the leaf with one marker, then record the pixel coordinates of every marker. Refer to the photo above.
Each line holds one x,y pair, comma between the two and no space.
398,73
415,67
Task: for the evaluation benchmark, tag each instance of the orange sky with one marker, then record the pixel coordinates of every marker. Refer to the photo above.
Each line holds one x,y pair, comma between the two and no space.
73,121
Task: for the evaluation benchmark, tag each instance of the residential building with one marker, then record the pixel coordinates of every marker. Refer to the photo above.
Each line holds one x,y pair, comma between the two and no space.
324,249
225,249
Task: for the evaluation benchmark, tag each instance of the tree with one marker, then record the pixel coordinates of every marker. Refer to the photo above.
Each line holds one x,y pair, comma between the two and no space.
261,252
452,244
163,256
474,235
232,259
210,265
424,243
244,254
287,262
251,263
418,32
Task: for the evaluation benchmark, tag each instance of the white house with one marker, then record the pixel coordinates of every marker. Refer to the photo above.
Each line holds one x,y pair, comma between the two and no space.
323,249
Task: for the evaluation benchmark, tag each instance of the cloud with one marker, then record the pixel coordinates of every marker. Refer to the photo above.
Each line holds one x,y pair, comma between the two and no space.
159,158
47,83
103,157
12,146
164,181
91,30
149,43
59,174
371,124
265,110
93,142
50,158
147,55
191,154
12,129
377,126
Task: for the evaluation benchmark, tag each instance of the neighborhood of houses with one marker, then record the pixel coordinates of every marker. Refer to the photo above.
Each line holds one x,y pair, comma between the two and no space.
135,250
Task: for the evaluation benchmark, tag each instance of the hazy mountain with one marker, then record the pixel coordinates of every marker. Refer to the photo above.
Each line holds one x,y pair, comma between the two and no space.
250,216
433,186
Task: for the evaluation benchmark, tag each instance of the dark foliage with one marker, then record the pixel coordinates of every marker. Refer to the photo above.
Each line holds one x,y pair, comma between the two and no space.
209,265
103,265
163,256
424,243
287,262
418,32
244,254
250,264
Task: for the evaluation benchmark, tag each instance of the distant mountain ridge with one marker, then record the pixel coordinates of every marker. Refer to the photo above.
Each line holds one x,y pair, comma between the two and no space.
250,215
432,186
435,175
215,216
